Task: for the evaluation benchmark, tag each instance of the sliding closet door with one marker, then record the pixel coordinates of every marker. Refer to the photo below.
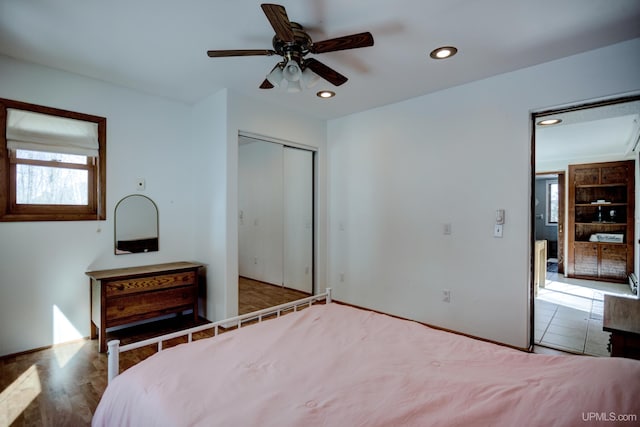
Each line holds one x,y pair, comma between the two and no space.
260,216
298,219
275,218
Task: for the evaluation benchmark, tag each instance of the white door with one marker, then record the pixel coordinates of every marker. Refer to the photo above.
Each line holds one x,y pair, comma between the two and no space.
260,216
275,214
298,219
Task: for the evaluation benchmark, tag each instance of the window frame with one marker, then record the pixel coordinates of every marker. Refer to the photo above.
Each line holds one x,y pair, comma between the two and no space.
95,209
548,221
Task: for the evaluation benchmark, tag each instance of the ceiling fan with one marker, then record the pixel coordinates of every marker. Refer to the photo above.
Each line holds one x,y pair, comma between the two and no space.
292,43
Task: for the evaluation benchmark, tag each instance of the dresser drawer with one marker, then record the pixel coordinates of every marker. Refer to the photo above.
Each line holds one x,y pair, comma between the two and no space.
131,308
150,283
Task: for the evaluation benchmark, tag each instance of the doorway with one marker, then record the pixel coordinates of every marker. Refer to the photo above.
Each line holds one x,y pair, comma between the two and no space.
549,217
275,222
567,312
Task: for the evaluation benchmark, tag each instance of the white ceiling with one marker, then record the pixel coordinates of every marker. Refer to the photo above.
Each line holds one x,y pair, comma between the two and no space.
593,134
159,47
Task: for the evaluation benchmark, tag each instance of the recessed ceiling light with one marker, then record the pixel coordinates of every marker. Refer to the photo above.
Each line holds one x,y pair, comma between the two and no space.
549,122
443,52
326,94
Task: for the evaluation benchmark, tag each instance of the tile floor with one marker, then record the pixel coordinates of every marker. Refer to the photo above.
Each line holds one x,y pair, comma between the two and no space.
568,314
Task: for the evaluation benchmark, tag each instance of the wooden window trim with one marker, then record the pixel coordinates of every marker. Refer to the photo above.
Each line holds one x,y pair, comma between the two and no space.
97,178
548,185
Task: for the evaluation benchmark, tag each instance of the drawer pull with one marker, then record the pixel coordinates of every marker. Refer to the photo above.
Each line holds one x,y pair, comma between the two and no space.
120,308
120,287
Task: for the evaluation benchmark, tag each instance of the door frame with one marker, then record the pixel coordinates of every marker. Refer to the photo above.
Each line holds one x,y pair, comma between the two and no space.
314,195
561,176
534,116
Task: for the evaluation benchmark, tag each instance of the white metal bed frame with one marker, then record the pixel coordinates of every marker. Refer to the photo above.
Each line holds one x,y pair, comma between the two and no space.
114,349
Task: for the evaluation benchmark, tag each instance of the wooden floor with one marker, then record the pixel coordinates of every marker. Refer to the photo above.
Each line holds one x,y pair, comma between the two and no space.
62,385
254,295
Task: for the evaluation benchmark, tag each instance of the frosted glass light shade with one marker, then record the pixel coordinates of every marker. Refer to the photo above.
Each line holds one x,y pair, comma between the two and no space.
276,76
309,78
292,71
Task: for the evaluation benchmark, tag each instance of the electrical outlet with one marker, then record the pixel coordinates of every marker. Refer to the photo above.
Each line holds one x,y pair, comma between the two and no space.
342,277
446,295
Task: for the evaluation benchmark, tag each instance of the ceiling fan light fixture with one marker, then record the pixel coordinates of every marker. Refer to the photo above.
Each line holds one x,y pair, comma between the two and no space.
443,52
292,43
275,77
292,71
309,78
294,86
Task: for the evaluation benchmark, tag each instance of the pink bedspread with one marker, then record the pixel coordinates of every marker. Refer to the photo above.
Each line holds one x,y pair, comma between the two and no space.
336,366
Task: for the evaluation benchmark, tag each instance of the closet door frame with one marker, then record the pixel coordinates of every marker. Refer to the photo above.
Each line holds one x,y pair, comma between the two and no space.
314,189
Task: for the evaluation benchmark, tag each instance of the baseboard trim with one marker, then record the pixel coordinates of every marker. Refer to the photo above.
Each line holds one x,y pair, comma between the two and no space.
440,328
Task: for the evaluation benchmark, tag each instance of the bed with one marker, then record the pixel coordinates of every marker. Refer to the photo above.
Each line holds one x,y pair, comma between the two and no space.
335,365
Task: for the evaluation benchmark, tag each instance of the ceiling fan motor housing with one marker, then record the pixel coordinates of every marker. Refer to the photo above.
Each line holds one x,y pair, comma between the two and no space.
295,50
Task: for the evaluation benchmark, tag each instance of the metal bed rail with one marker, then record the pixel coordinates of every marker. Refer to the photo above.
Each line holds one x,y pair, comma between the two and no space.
114,348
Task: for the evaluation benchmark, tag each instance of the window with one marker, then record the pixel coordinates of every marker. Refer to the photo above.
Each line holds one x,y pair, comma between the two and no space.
552,203
52,164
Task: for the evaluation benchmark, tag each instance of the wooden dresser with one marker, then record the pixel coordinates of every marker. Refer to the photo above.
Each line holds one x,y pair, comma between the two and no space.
622,319
126,295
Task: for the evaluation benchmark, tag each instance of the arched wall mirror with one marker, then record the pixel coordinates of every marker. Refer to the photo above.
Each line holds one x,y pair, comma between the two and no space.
136,225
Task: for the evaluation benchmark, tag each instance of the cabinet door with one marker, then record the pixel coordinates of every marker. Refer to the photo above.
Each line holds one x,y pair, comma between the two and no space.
586,259
614,175
586,175
613,262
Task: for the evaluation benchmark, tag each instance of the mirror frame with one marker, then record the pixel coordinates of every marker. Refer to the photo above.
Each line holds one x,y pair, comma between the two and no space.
145,245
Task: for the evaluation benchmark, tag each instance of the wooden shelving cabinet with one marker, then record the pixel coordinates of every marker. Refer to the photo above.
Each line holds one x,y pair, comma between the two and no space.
601,221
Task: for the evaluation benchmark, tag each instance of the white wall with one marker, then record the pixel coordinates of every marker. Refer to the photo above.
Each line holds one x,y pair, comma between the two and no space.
42,264
398,173
253,116
215,124
439,149
209,172
188,156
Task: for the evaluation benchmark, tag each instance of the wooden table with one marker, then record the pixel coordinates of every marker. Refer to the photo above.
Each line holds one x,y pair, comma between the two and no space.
622,319
123,296
540,265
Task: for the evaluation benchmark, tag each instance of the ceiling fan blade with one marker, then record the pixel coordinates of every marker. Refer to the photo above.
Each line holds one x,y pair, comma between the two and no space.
329,74
353,41
266,84
277,16
240,52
